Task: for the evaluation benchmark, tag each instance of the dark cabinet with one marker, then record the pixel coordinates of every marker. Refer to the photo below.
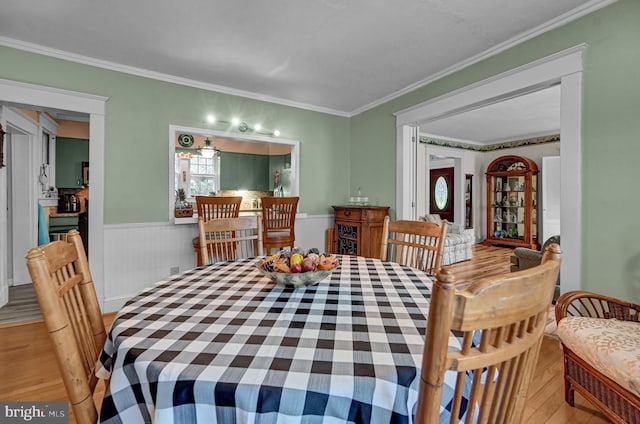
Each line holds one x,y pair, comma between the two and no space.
358,229
70,155
243,171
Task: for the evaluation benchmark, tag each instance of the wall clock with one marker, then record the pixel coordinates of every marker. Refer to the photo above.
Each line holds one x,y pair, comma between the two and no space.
185,140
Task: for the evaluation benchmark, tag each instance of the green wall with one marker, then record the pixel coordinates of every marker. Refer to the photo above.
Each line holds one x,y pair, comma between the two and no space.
610,144
139,112
338,155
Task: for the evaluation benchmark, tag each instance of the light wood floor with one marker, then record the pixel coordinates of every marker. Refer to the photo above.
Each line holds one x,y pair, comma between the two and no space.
28,368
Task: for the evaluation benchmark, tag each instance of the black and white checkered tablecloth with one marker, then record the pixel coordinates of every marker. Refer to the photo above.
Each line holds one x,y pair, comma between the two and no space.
225,344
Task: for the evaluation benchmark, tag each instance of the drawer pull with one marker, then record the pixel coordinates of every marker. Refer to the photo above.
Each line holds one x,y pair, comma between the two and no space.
347,213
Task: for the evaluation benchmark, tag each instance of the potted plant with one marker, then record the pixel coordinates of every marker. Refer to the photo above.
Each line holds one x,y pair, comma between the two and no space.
182,208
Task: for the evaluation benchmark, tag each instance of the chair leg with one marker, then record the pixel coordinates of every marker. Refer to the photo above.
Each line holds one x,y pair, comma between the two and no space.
568,393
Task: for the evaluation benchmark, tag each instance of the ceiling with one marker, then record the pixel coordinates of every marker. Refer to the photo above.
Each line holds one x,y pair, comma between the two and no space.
531,115
335,56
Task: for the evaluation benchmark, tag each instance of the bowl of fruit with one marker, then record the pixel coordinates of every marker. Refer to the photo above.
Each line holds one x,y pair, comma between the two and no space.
297,269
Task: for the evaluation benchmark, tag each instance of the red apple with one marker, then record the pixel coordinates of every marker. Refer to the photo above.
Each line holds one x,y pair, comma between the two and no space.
296,268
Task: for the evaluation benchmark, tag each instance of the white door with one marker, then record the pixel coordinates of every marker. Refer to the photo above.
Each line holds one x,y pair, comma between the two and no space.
21,219
550,197
18,216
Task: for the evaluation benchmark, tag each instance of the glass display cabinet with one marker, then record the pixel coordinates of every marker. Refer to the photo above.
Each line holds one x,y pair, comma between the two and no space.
512,202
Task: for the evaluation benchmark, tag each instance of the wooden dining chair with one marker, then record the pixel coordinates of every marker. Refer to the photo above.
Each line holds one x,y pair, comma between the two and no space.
227,239
210,207
419,244
213,207
278,222
501,320
67,297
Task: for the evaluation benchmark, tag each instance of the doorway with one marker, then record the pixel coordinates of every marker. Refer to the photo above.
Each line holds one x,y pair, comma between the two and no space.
35,96
31,196
20,221
564,68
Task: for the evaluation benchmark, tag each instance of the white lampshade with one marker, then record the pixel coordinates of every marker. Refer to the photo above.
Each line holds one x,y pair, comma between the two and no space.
207,152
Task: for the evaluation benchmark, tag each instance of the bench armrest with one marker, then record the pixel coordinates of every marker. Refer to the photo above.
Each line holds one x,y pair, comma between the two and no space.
586,304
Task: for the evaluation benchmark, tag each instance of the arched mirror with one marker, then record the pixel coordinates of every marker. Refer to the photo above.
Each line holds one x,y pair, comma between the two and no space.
209,162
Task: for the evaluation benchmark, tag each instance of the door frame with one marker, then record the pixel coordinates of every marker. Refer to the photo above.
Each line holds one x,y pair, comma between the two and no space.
23,153
564,68
95,106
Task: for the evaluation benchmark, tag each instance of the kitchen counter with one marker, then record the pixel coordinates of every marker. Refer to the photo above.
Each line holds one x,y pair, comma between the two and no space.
48,202
63,222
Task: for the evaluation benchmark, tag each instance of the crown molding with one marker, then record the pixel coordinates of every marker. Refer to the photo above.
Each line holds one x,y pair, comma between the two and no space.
557,22
104,64
431,136
457,144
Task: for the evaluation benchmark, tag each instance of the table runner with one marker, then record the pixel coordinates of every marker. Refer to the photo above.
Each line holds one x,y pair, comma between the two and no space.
223,343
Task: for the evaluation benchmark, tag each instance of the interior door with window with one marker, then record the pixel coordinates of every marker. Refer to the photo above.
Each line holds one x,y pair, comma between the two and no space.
442,193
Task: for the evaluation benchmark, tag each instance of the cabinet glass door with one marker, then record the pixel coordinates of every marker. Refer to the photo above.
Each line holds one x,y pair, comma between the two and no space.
509,207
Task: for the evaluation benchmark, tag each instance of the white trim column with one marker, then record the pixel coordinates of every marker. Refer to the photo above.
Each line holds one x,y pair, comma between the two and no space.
406,157
571,182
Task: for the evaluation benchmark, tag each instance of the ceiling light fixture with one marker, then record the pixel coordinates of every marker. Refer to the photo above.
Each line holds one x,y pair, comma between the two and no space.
242,126
208,151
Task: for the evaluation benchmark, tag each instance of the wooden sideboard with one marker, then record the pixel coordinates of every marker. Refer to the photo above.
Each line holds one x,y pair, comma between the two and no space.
358,229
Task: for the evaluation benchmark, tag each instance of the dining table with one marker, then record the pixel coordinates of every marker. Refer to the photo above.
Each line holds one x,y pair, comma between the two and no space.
224,343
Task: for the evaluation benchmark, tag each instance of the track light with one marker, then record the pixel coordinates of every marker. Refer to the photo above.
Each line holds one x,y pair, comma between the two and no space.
242,126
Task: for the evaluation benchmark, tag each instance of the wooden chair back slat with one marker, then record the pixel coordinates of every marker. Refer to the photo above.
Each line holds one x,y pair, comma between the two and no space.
502,322
212,207
418,244
227,239
71,311
278,222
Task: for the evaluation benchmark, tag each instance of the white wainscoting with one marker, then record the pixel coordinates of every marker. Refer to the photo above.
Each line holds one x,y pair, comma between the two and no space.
138,255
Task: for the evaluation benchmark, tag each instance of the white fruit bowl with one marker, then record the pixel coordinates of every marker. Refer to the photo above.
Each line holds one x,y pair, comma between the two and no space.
296,279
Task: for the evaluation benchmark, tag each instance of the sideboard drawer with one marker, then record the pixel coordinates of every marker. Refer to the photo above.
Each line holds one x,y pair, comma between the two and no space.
348,214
